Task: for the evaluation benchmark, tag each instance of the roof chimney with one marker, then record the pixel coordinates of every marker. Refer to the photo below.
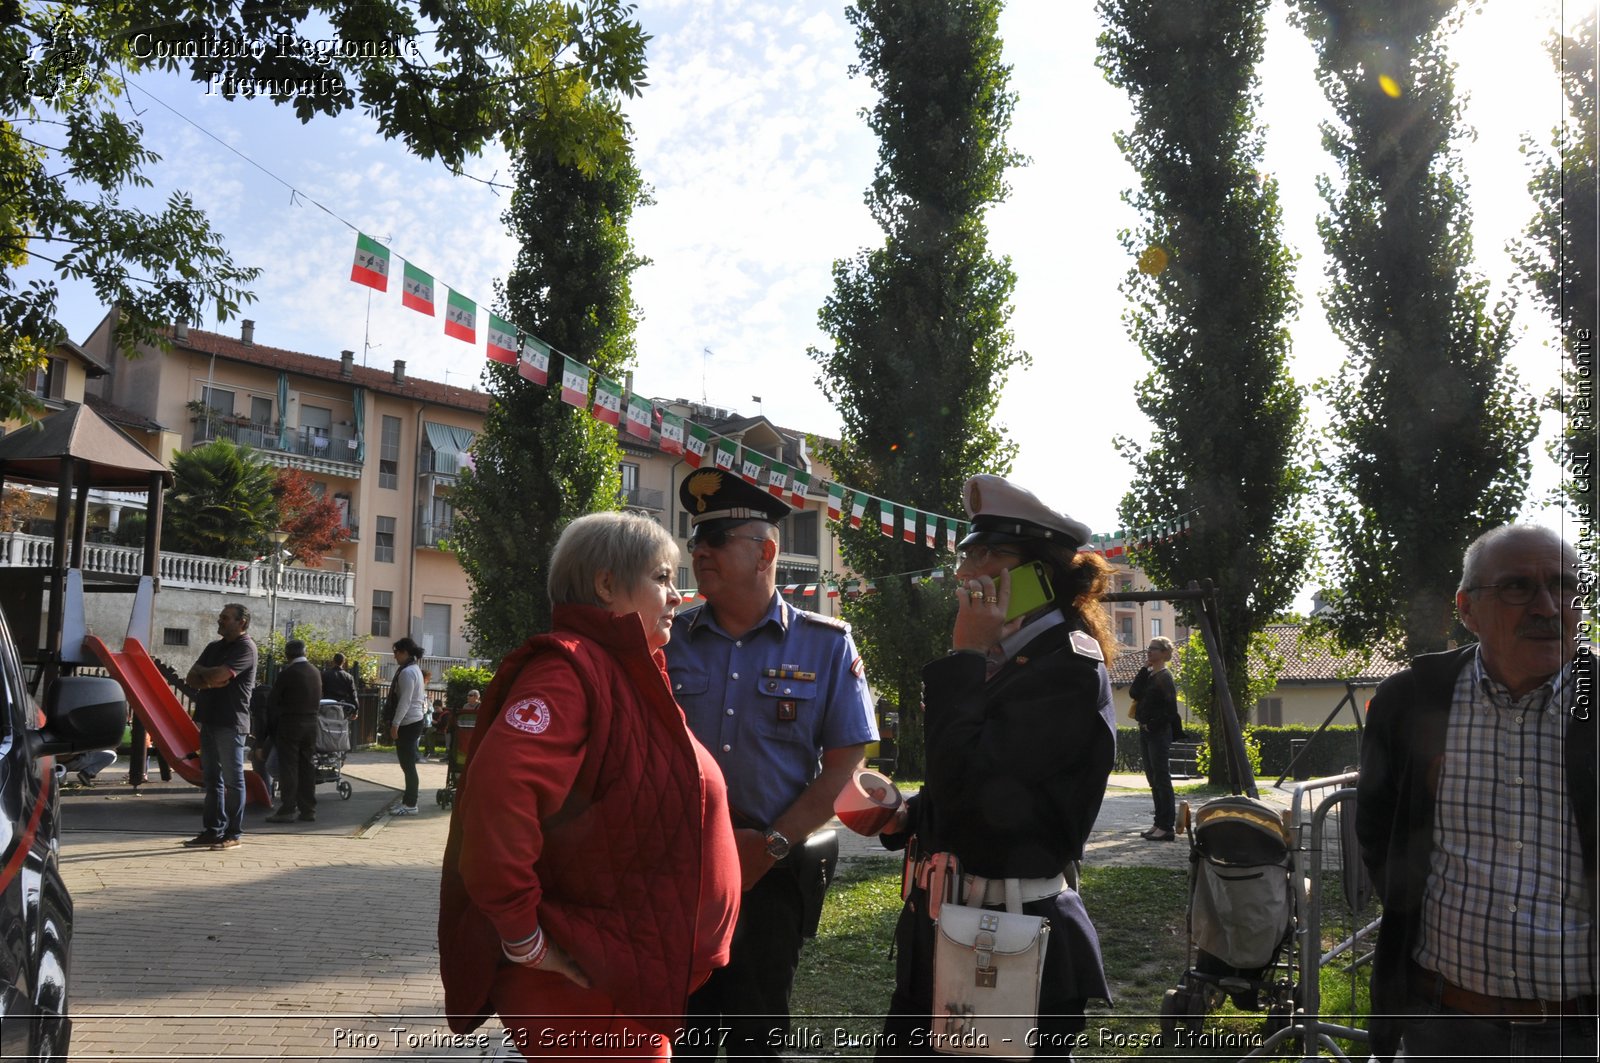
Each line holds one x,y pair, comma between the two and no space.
400,371
247,332
180,332
347,364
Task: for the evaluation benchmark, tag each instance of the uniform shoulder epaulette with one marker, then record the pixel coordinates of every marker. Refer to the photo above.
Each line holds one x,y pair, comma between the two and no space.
826,621
1084,645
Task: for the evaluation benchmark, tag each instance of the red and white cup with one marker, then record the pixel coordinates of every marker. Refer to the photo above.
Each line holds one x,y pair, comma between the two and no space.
868,802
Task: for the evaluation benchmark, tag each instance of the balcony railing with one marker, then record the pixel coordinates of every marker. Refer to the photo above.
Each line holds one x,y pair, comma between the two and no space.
438,463
249,578
435,533
651,498
331,445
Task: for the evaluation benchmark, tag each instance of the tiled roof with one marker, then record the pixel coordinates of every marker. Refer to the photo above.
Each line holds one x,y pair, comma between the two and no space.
121,414
379,380
1304,661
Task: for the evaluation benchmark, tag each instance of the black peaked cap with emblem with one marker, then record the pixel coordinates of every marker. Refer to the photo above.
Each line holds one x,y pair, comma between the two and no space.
1002,512
714,494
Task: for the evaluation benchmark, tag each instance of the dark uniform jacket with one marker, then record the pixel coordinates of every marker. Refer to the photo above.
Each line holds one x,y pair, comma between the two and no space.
1395,795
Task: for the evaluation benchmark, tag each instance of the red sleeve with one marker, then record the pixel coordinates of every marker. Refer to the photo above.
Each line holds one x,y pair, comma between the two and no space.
522,770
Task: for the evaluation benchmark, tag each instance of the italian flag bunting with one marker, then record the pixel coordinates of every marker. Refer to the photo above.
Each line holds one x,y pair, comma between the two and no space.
858,509
777,479
908,524
750,467
502,340
534,365
372,263
725,454
460,317
574,383
607,400
930,530
835,501
695,444
886,517
672,433
416,291
799,484
950,536
639,416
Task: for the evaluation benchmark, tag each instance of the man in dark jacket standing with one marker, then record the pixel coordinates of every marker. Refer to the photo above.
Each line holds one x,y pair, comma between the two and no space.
1476,815
337,684
293,709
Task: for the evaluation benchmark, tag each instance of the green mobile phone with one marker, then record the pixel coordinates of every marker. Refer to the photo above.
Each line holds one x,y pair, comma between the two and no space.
1030,588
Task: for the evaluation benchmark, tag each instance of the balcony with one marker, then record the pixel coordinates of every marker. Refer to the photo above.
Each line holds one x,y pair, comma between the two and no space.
647,498
435,534
331,452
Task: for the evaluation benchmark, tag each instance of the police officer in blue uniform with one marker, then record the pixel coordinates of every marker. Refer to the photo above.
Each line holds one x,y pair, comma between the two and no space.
779,697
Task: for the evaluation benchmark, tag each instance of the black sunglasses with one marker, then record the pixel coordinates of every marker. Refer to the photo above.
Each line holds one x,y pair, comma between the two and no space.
717,538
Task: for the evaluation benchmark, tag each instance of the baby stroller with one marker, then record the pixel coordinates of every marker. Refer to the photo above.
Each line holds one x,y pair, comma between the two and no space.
1241,917
462,723
333,743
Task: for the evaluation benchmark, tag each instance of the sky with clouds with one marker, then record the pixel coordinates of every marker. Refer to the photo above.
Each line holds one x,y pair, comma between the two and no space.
751,138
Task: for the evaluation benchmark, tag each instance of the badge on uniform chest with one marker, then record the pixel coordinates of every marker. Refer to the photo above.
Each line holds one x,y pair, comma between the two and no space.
786,710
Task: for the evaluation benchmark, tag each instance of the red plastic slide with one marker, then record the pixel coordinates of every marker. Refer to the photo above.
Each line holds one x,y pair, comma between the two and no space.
175,735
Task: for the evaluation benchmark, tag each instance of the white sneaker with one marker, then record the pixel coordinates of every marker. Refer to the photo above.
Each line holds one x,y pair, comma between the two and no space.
403,810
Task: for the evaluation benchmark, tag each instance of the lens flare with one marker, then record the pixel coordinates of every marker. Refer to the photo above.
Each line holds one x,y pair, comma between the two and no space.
1152,261
1390,87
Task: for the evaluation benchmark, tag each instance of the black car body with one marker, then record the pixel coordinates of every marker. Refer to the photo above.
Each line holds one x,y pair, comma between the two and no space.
35,910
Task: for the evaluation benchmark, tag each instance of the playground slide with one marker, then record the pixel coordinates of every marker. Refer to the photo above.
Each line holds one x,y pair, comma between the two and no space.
175,735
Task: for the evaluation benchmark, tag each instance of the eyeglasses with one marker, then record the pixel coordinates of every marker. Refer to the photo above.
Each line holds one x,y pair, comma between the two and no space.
1520,590
980,553
717,538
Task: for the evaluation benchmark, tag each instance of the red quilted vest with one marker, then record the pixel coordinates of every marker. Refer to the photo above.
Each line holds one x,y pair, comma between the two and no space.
621,865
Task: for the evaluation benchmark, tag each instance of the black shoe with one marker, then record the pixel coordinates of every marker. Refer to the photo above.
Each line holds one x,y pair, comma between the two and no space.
203,840
1154,835
85,779
228,843
283,815
307,817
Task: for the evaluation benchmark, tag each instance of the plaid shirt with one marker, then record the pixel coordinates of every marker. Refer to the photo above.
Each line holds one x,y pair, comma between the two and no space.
1506,912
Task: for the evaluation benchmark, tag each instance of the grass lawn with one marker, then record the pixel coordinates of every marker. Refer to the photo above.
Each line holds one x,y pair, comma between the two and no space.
846,974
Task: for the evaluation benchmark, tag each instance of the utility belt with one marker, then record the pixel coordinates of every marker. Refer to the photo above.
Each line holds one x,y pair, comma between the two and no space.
929,872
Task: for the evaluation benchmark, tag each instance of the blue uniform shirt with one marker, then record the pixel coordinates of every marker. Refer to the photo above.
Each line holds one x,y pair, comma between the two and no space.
766,705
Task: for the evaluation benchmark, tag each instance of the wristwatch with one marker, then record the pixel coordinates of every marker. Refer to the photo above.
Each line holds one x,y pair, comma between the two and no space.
777,845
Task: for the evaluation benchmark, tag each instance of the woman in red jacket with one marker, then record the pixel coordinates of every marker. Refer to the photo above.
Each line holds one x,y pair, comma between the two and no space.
590,879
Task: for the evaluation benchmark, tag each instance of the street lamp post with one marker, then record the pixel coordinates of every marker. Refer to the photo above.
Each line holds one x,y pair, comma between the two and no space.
278,537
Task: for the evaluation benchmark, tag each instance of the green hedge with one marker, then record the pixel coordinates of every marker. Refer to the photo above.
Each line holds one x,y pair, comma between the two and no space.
1334,751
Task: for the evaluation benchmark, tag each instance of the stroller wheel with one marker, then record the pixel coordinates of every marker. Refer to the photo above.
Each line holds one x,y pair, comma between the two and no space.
443,797
344,790
1174,1012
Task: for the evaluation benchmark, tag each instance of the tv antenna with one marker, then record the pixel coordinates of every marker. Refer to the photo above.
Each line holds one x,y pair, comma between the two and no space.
705,356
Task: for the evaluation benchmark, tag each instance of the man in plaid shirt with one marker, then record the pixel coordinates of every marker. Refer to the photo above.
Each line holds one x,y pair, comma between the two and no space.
1476,815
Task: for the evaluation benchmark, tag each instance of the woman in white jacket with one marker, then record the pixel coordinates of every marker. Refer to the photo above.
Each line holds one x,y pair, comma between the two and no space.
410,714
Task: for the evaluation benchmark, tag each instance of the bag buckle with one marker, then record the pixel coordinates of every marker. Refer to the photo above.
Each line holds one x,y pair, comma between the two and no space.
983,946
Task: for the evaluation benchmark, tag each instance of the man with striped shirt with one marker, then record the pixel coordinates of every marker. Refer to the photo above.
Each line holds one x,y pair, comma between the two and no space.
1476,815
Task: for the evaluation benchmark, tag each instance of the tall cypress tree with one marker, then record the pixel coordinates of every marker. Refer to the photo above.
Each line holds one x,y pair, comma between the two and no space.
538,462
1430,428
1212,296
1559,258
920,326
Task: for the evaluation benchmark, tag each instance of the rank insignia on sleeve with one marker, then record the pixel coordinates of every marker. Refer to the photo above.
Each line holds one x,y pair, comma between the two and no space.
858,669
786,710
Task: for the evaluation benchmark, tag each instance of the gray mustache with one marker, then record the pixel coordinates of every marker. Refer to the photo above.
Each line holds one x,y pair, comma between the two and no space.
1540,628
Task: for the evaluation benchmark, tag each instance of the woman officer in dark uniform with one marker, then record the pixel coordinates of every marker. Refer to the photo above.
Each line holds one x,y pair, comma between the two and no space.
1021,735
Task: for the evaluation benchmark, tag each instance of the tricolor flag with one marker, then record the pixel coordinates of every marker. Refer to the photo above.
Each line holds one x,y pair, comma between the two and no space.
534,366
460,316
671,433
930,530
799,484
950,533
858,509
908,524
416,291
726,453
886,517
835,501
607,400
574,383
777,479
639,417
695,444
502,340
750,467
372,263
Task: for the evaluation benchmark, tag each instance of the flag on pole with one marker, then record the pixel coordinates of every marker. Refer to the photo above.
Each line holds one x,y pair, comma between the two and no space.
777,479
886,517
858,508
696,444
574,383
908,524
930,530
372,263
607,400
725,454
639,416
835,501
534,365
416,291
460,316
502,340
750,467
799,485
671,433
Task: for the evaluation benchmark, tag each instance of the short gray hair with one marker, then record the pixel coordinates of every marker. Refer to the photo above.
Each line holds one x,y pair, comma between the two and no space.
626,545
1161,642
1472,560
